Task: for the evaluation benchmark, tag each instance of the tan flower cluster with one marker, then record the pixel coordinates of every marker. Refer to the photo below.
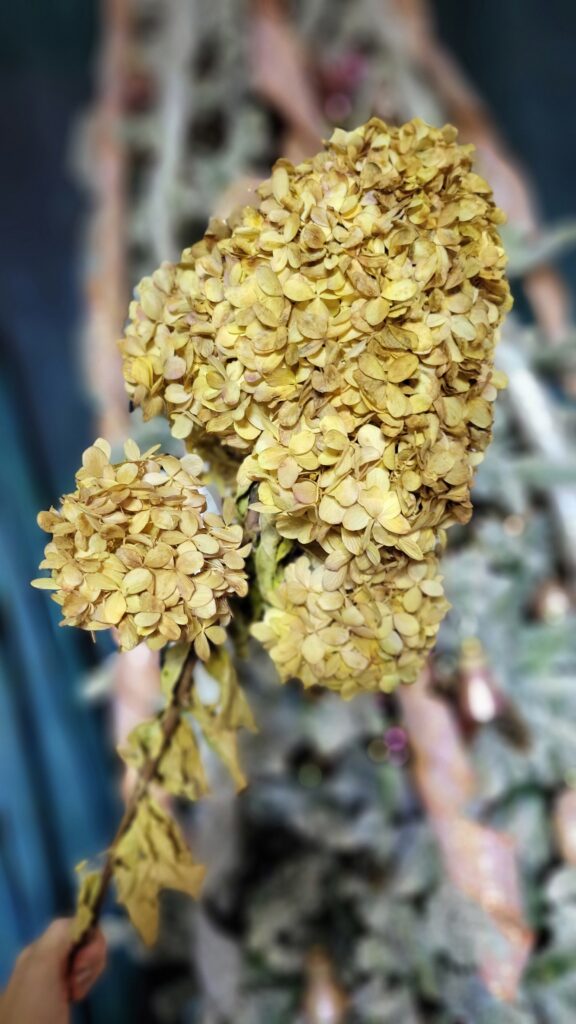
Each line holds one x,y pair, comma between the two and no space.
337,340
369,278
330,351
362,493
369,637
134,548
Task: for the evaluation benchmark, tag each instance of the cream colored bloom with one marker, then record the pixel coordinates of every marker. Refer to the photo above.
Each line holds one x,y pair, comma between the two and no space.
134,548
351,638
370,278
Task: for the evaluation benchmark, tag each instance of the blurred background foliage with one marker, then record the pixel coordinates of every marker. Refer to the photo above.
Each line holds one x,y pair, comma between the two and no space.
407,859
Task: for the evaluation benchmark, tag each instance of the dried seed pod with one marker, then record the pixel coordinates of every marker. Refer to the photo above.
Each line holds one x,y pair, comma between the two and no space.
134,548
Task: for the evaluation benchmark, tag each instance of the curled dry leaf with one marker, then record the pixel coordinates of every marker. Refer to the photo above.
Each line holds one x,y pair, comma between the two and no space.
152,855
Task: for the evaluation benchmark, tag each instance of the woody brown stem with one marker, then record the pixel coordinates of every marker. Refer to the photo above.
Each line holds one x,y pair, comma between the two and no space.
146,776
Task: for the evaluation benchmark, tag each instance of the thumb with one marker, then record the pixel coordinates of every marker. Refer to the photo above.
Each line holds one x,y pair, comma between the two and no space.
56,940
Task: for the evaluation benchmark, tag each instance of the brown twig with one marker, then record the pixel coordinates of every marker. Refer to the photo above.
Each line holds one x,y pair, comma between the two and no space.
147,775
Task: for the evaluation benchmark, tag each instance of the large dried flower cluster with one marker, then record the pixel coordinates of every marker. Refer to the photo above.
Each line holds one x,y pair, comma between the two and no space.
369,278
338,341
134,548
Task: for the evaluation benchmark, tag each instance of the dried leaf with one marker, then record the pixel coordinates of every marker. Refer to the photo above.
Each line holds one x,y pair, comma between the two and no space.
151,856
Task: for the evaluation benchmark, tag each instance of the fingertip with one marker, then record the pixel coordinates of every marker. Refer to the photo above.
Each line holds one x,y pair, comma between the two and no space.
78,991
89,964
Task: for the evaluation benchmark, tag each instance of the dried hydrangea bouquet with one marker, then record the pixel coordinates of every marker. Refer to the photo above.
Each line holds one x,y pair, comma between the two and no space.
327,358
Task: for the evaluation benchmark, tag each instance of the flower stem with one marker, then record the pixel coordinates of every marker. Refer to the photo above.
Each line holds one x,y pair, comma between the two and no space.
146,777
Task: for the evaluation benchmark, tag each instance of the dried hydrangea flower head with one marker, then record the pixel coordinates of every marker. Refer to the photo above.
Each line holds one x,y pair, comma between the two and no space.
134,548
370,278
338,339
349,639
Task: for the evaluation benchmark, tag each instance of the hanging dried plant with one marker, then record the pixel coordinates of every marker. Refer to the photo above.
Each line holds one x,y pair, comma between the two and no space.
327,356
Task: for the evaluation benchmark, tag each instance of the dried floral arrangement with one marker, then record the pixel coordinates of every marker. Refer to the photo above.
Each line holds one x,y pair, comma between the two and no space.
327,357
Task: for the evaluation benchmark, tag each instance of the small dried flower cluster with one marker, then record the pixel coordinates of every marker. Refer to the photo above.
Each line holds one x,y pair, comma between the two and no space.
338,341
355,493
134,548
368,637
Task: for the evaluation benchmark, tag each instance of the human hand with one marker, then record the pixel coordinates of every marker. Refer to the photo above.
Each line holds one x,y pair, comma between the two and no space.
41,988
